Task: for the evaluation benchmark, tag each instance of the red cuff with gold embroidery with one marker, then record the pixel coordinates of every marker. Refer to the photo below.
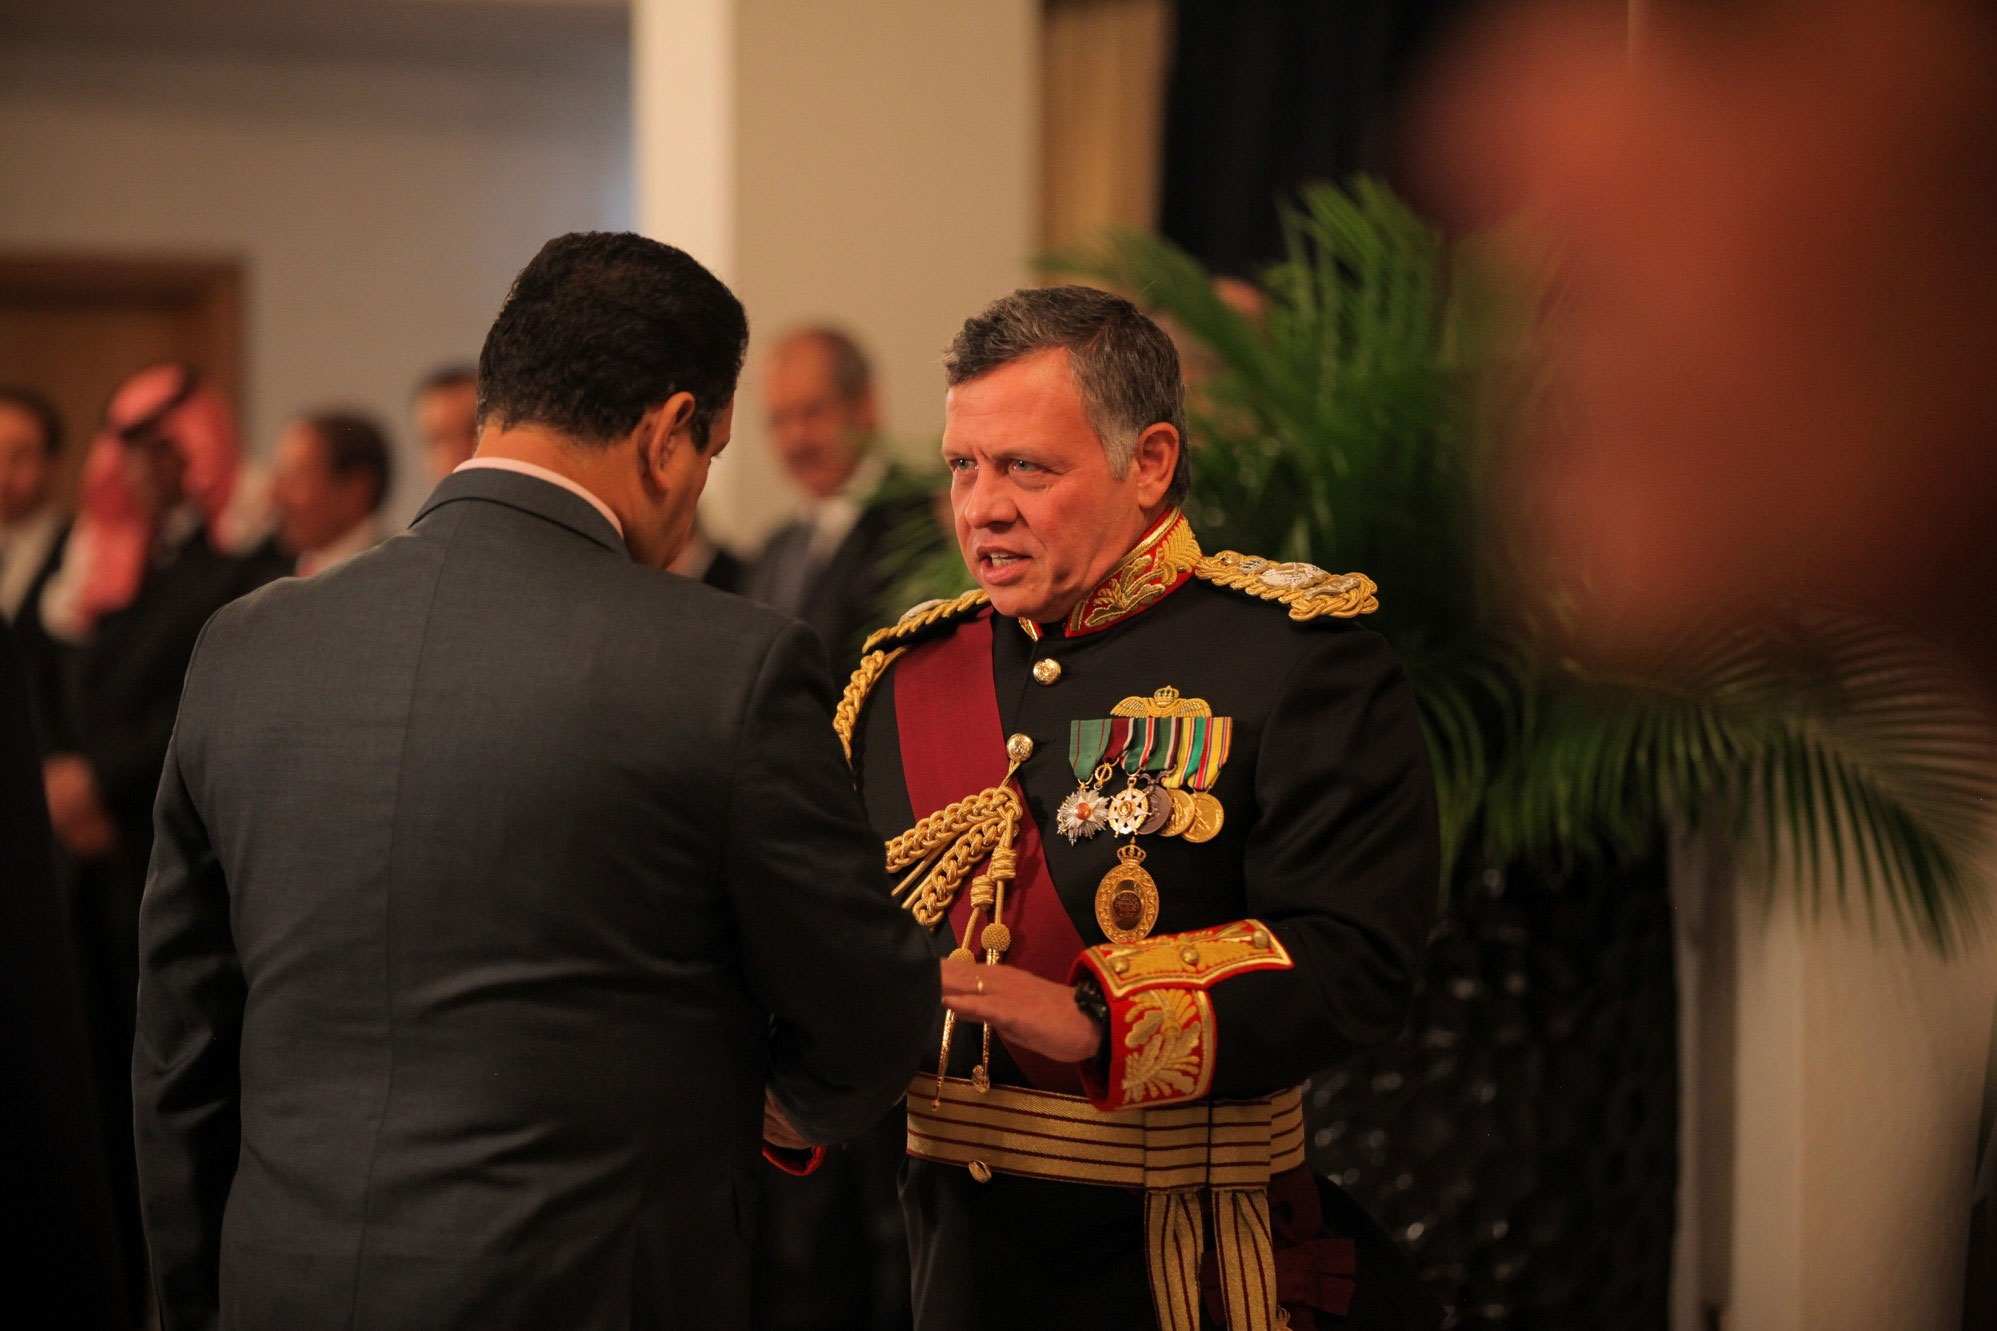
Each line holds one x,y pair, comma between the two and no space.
1161,1039
792,1160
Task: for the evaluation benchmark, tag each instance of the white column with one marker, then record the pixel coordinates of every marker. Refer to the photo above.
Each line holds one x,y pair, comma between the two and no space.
867,162
1858,1085
683,135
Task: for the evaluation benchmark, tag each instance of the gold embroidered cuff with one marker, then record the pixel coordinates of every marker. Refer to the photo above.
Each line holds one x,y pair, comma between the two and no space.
1161,1038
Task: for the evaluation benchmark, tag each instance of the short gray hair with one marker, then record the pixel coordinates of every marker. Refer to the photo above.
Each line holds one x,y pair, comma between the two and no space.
852,372
1127,368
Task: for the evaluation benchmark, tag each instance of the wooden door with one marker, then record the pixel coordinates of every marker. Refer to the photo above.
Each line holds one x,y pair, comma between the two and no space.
72,327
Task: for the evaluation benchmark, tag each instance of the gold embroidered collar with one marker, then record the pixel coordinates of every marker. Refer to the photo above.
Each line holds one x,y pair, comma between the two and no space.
1158,565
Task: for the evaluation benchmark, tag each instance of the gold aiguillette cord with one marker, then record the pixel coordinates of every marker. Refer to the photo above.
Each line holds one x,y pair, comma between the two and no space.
987,895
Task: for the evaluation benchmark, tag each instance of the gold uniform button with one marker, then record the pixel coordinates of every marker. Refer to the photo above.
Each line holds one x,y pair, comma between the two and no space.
1190,956
1018,748
1046,670
981,1171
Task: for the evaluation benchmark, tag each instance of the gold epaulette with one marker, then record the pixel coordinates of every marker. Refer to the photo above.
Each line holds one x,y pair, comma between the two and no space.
1309,591
884,645
918,619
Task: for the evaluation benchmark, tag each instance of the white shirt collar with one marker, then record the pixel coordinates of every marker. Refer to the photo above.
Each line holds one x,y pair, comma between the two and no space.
551,477
833,518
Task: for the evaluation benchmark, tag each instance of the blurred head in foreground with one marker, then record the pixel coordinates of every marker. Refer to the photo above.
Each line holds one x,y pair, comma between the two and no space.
1777,299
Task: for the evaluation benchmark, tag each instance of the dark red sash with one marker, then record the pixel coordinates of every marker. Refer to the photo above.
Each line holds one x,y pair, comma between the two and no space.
952,745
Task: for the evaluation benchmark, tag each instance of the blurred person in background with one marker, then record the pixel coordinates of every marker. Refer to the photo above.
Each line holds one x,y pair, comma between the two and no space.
706,560
58,1242
32,531
152,556
825,566
445,410
1772,224
328,483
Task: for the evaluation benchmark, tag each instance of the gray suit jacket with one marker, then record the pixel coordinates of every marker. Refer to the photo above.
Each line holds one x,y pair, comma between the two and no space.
495,876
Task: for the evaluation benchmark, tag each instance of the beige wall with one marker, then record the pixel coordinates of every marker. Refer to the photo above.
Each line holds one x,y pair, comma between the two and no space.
881,173
382,192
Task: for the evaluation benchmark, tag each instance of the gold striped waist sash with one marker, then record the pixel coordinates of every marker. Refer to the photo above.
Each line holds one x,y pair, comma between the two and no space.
1039,1134
1226,1150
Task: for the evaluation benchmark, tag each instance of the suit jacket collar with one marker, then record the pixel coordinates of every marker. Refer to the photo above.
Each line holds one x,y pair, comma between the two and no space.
529,495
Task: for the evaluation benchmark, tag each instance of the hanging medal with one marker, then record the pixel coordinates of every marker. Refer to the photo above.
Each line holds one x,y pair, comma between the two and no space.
1130,808
1202,772
1085,812
1127,897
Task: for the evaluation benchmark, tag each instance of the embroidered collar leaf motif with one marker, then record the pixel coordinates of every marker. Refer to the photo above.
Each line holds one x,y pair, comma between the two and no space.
1154,567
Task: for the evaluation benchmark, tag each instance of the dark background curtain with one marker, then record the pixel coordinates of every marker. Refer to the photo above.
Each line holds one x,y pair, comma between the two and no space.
1266,95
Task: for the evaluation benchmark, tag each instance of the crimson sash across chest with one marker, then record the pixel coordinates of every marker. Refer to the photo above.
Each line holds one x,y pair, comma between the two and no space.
952,745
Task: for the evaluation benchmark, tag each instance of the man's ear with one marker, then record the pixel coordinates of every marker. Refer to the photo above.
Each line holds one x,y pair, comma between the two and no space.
1154,460
662,430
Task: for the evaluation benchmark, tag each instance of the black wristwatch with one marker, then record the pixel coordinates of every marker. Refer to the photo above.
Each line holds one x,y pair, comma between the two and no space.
1089,998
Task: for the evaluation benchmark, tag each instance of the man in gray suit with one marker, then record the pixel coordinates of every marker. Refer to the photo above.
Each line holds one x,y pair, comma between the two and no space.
499,875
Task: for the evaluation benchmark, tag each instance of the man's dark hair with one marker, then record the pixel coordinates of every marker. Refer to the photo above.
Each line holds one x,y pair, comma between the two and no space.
601,327
1127,368
852,372
354,444
47,419
454,375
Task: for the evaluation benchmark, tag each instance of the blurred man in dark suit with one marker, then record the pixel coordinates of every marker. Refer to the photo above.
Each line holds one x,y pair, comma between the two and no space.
155,551
59,1261
32,532
826,565
475,973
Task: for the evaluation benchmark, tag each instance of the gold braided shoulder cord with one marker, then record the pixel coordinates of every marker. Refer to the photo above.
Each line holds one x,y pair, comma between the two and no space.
939,851
846,717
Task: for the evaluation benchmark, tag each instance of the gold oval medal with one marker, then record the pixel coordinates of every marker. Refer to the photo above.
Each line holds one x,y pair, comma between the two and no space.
1127,898
1207,817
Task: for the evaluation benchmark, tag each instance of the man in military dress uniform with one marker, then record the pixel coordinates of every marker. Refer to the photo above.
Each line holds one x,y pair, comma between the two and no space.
1171,816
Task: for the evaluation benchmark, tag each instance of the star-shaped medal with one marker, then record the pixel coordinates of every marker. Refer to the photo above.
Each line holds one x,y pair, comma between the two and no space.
1081,814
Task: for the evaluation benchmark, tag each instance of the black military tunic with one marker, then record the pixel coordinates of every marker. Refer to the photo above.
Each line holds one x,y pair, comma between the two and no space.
1329,838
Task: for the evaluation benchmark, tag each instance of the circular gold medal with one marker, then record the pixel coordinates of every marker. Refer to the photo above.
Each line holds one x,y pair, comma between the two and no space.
1161,811
1182,812
1207,817
1127,899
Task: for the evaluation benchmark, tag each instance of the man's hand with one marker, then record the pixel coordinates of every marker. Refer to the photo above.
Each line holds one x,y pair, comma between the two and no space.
778,1129
1028,1011
75,810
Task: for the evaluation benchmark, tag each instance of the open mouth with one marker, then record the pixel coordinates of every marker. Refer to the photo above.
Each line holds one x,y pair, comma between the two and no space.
1001,566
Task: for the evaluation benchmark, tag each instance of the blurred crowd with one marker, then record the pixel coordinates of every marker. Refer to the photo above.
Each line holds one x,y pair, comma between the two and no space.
106,601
